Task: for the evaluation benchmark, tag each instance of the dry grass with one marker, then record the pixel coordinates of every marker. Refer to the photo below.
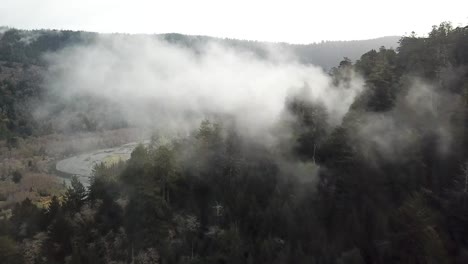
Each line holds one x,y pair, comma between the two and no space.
38,187
57,146
35,158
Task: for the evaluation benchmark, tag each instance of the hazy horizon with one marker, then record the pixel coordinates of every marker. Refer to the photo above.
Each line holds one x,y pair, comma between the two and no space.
198,35
266,132
296,22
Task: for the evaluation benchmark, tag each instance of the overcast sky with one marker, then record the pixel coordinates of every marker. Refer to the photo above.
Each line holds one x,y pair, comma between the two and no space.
289,21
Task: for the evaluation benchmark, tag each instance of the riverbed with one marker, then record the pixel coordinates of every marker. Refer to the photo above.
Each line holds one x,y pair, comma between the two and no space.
82,165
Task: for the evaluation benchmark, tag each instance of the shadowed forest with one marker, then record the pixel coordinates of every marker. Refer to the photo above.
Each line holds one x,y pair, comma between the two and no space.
372,168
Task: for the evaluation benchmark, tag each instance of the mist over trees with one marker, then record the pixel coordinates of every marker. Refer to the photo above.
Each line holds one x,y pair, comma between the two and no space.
22,63
325,54
382,181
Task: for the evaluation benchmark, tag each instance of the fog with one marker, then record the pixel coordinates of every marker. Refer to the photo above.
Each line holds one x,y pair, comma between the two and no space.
420,111
148,83
171,88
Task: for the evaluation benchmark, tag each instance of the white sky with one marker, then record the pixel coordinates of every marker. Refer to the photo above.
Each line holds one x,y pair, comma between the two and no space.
289,21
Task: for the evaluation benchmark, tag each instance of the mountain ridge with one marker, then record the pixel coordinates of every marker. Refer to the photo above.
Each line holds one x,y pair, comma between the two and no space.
17,45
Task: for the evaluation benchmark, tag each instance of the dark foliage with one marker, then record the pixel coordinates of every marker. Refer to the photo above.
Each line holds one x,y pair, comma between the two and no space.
216,197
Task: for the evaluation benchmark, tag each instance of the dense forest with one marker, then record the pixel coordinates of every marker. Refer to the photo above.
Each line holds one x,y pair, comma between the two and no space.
388,184
28,46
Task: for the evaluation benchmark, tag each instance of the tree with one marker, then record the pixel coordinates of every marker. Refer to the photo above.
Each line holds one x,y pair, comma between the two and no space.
310,127
380,70
75,195
54,208
25,219
189,226
9,252
165,171
343,75
416,238
17,176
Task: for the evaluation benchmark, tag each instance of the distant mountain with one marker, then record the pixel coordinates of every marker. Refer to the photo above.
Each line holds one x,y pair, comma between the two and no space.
326,54
22,65
27,46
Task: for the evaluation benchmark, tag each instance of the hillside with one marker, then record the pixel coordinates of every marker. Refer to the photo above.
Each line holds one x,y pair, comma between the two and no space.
326,54
22,53
252,158
24,46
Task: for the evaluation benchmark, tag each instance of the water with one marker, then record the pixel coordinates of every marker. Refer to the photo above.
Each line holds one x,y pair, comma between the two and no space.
82,165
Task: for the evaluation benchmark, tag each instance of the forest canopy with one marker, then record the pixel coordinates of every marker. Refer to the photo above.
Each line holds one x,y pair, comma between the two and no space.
385,181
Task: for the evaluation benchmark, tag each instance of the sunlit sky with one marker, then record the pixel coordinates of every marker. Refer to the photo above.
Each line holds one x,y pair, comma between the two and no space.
286,21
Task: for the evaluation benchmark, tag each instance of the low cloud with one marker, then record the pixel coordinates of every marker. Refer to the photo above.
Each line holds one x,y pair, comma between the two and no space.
421,112
169,87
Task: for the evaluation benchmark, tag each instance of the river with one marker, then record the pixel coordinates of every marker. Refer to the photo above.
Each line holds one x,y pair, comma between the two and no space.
82,165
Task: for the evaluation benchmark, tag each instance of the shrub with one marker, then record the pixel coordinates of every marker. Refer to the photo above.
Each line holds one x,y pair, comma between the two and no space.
17,176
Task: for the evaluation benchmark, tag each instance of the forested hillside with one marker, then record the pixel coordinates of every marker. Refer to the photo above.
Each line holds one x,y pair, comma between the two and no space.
386,184
325,54
22,65
28,46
